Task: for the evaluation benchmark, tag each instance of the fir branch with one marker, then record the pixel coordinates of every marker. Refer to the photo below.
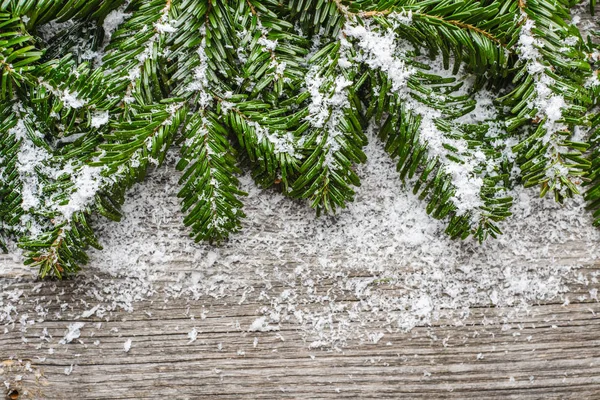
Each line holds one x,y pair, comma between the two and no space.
271,55
316,17
271,68
39,12
209,187
61,251
11,198
132,62
335,137
18,55
267,137
141,138
45,194
592,193
468,31
451,167
288,89
549,93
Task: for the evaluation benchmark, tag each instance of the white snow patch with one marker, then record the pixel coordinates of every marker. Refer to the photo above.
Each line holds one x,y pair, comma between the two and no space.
192,335
112,21
261,324
71,100
69,369
73,332
99,118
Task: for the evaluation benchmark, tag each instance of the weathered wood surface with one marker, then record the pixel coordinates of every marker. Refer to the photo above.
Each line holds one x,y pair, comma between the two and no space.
548,351
551,352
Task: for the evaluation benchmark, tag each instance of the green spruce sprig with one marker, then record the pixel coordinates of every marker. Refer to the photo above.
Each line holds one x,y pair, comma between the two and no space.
95,93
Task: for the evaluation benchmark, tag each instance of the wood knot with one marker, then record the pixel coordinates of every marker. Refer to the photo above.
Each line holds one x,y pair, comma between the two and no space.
13,394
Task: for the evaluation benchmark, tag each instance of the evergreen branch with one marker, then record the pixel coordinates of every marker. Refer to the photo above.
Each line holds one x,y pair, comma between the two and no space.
592,178
288,88
132,61
479,49
456,171
334,139
141,138
317,17
209,192
259,126
267,137
592,193
47,196
271,69
10,183
209,189
271,55
408,12
18,55
549,93
469,31
39,12
60,251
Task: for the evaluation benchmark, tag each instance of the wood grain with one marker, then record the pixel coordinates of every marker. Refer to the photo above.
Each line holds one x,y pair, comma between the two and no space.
550,351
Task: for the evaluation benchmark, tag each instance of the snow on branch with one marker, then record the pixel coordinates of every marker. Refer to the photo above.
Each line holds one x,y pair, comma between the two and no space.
383,51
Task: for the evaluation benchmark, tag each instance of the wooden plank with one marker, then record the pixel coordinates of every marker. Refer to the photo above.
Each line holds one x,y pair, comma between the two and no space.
551,351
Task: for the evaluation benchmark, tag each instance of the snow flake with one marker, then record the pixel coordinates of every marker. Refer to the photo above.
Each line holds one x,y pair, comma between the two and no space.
261,324
192,335
99,118
73,332
164,28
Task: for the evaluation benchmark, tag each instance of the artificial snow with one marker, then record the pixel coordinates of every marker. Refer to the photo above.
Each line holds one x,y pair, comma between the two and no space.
326,110
383,252
33,161
87,183
261,324
71,100
99,118
127,345
29,159
192,335
69,369
200,82
73,332
112,21
164,28
284,255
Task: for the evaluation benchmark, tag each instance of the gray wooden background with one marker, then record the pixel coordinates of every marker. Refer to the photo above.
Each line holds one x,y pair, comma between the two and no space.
550,350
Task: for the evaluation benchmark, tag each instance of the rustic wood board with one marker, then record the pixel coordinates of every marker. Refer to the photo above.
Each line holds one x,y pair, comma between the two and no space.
550,351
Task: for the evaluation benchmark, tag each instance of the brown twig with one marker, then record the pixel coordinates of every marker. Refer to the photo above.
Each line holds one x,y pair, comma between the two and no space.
369,14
